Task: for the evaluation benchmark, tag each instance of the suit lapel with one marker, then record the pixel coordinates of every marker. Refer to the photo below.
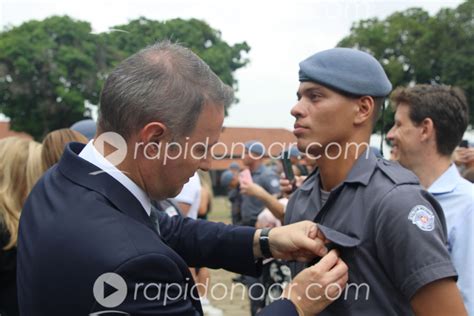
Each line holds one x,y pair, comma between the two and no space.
87,175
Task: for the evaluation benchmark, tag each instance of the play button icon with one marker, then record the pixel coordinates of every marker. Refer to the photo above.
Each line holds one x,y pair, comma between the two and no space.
110,290
114,145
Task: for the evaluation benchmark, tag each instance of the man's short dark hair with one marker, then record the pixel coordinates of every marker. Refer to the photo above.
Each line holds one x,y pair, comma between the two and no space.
445,105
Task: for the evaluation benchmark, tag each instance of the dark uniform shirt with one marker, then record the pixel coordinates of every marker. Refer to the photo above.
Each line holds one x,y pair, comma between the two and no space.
392,235
252,206
235,199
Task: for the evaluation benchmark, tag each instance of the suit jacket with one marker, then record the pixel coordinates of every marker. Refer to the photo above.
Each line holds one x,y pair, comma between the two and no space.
78,224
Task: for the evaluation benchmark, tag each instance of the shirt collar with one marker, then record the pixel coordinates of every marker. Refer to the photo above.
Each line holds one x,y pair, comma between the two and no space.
446,182
363,168
361,171
90,154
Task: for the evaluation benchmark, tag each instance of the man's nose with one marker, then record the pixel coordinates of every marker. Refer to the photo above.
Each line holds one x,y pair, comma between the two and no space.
297,110
390,134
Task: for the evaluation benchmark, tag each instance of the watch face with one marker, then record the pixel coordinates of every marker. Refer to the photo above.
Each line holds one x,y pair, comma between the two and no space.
265,243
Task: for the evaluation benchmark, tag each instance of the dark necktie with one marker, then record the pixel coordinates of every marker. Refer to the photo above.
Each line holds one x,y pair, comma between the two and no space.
154,219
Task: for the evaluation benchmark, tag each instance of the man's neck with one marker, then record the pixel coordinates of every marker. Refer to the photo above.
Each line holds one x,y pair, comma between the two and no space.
128,166
431,168
334,171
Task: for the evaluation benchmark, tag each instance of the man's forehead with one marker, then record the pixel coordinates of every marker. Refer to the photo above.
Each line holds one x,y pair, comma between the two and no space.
309,85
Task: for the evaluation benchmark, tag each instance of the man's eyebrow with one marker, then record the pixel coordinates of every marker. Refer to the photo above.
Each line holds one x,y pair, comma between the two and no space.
308,90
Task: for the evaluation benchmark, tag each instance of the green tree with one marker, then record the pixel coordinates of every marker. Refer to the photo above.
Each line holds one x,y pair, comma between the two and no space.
415,47
47,70
206,42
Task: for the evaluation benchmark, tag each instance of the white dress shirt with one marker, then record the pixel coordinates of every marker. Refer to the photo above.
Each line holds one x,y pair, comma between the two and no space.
90,154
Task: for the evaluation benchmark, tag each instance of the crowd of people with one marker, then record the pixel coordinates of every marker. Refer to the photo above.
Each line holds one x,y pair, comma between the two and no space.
23,161
402,228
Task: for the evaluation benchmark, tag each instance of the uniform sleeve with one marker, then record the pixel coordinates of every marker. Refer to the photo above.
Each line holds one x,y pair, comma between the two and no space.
410,238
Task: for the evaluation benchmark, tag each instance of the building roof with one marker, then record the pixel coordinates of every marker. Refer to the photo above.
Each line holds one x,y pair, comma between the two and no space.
6,132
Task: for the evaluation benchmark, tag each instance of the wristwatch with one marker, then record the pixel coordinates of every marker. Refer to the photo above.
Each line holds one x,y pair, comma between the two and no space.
265,243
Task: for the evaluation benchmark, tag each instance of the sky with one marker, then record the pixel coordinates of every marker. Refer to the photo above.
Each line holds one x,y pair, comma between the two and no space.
280,34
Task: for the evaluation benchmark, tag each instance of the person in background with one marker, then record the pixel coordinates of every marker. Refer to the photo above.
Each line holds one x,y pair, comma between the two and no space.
251,206
20,168
54,143
469,175
202,275
189,199
234,167
463,157
230,181
86,127
299,165
272,203
430,121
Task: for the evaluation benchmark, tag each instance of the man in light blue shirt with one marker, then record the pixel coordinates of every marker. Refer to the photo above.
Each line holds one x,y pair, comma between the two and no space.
430,121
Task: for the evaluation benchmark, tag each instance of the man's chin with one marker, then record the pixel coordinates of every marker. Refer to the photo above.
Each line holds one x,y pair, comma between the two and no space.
177,191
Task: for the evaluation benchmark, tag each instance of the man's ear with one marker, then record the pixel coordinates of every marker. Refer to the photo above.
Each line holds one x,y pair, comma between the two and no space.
365,109
151,135
427,129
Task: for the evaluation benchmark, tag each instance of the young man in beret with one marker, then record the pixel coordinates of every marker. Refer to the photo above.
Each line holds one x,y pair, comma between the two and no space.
391,233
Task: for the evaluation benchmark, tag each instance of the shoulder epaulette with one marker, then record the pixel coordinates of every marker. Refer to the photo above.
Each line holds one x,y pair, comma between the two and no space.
397,173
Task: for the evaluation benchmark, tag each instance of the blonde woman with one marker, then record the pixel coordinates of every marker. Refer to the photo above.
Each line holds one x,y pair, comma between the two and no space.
20,168
54,142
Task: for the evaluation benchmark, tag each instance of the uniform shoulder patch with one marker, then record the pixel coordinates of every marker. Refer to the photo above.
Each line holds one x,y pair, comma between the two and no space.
422,217
275,183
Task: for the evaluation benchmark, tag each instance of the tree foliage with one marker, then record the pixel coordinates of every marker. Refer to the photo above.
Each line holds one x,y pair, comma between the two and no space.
49,68
415,47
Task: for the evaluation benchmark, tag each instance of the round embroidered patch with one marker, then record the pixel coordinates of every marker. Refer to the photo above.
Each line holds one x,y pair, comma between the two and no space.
422,217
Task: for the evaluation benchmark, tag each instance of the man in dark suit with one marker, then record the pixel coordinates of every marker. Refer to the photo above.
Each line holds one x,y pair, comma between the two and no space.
88,241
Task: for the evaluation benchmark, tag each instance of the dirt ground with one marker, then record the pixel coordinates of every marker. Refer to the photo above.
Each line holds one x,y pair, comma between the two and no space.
235,303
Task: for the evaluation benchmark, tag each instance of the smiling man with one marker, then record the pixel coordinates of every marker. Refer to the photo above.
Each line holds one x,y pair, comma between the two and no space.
391,233
430,121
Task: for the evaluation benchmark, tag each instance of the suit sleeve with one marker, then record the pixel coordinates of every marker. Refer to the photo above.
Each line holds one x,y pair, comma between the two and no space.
154,286
282,307
213,245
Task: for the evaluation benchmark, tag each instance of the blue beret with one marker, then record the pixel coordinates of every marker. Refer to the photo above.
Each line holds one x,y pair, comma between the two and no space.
347,70
255,147
294,152
85,127
234,166
226,178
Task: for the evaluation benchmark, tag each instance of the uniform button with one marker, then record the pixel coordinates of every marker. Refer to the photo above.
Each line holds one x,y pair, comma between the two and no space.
387,163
